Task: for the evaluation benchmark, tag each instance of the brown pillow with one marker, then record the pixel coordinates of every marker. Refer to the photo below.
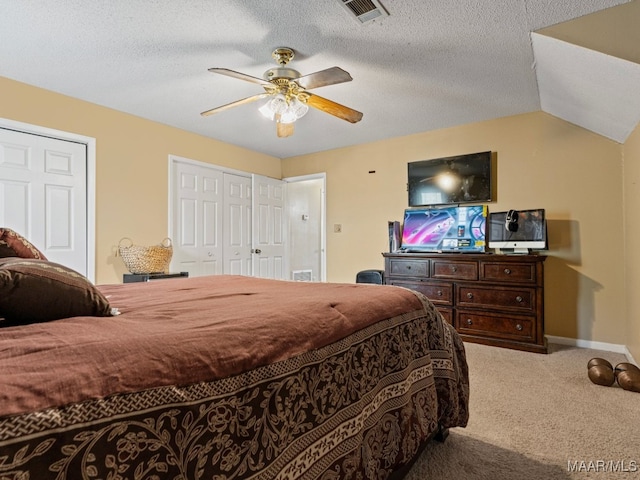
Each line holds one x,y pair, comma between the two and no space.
13,244
33,290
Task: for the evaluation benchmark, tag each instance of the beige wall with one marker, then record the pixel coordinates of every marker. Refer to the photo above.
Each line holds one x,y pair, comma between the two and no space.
542,162
613,31
131,164
632,239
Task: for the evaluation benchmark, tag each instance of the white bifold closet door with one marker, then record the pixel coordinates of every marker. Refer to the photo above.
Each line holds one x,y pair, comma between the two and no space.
197,219
43,194
210,220
226,223
236,225
269,228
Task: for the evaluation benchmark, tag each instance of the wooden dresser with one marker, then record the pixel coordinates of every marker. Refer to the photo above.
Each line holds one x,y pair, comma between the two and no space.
491,299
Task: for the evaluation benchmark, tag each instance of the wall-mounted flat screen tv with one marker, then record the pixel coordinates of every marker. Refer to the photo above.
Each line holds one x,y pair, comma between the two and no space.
518,231
450,180
444,229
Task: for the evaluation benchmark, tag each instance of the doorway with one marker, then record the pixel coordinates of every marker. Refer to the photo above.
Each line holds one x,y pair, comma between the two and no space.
306,214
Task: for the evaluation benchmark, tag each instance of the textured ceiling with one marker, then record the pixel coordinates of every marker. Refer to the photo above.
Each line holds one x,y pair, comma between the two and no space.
428,65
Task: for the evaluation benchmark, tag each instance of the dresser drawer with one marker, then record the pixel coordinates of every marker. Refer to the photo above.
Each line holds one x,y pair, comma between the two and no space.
446,314
516,299
409,268
438,293
508,272
496,326
454,270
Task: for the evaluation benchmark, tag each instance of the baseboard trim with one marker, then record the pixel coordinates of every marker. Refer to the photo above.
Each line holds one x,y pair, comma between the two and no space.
630,357
607,347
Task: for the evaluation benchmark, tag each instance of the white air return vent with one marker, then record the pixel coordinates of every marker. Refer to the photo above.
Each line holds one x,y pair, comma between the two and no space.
302,275
364,11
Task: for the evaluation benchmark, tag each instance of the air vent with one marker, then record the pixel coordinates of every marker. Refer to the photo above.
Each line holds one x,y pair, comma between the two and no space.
364,11
302,275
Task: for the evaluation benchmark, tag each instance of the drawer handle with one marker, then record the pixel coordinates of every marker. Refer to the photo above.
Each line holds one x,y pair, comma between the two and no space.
469,322
519,327
469,295
454,269
507,271
519,299
408,267
439,293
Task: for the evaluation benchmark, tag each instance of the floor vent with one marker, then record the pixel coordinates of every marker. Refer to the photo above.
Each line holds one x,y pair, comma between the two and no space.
302,275
364,11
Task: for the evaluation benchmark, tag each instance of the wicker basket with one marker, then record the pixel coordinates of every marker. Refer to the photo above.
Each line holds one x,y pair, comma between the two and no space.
140,259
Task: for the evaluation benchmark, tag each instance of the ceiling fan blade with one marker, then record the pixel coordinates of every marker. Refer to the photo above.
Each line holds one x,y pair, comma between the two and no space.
333,108
330,76
241,76
234,104
284,129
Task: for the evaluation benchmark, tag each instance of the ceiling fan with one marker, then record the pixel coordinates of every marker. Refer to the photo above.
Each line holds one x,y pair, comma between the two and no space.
287,90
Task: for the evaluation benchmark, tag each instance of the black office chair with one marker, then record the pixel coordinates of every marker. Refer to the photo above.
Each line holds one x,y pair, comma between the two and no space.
370,276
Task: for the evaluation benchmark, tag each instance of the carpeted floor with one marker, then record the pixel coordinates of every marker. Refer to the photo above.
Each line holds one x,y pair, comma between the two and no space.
538,417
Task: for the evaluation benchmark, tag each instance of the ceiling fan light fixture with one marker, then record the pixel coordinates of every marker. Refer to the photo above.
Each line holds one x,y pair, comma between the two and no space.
298,108
266,111
288,117
284,110
279,104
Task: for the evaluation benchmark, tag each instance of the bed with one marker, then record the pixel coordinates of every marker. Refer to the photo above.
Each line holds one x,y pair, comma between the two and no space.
229,377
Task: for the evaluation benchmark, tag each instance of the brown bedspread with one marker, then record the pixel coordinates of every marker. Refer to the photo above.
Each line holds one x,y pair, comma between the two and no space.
231,375
238,323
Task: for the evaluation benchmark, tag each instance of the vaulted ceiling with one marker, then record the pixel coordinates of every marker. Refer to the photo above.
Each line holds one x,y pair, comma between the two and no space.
426,65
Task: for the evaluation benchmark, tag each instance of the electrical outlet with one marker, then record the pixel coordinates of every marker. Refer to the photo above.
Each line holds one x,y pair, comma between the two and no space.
337,228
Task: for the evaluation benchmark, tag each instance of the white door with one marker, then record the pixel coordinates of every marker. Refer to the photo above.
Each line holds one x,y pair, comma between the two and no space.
236,225
196,231
43,194
269,228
